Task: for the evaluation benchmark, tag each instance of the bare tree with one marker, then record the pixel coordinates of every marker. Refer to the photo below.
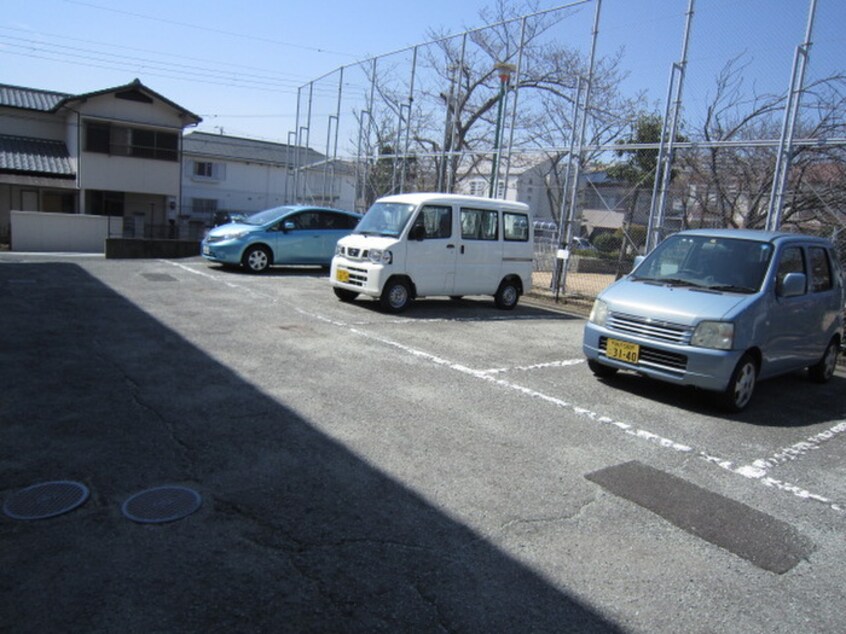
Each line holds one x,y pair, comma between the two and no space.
454,113
730,181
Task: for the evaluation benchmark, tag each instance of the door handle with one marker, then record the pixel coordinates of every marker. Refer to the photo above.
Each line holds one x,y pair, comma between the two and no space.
450,246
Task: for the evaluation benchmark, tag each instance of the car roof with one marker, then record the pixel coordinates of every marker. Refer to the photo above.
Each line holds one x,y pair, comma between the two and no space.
754,234
443,198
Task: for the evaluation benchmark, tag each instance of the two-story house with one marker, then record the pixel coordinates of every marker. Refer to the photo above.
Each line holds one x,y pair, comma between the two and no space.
112,152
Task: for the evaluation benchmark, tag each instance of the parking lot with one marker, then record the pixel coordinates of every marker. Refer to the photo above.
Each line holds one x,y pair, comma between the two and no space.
453,468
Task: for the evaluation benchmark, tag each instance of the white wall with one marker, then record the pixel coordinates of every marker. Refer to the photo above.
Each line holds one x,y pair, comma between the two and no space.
38,231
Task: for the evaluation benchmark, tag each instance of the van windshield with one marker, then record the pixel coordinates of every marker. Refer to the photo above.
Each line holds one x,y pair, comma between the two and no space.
714,263
385,219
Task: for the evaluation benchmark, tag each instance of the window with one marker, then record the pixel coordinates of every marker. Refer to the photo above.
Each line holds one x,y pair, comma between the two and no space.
821,278
333,221
791,262
106,138
305,220
478,187
437,221
97,137
479,224
203,168
515,227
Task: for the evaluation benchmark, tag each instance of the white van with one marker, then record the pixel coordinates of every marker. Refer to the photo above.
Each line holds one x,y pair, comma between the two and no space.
419,245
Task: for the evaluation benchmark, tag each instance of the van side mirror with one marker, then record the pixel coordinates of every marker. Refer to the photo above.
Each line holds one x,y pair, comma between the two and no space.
638,259
418,232
792,285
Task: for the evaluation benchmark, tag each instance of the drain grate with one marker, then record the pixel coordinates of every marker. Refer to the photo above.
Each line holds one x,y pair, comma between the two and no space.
161,504
47,499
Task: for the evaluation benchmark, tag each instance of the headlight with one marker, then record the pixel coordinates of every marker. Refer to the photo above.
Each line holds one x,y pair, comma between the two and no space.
234,235
714,334
599,313
339,250
380,256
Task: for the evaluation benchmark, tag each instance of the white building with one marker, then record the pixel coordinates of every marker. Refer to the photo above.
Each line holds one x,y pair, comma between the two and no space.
232,174
113,152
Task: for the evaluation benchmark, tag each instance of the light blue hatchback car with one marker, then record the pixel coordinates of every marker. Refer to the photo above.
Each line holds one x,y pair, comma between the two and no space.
721,309
282,235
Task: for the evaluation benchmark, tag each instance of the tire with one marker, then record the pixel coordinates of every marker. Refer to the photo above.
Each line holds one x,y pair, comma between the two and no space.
396,296
823,370
601,371
507,295
741,386
257,259
344,295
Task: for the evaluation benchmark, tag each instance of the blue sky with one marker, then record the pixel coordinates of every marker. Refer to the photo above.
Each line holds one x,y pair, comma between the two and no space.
238,64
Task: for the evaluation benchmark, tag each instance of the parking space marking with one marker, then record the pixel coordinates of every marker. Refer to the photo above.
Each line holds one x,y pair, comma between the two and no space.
626,428
537,366
756,471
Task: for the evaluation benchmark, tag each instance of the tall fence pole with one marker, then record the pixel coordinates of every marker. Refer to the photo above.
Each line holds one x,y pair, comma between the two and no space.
579,154
664,164
791,112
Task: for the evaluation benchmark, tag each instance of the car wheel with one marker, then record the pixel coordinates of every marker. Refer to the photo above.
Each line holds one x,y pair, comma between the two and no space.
344,295
823,370
507,295
601,371
257,259
737,395
396,296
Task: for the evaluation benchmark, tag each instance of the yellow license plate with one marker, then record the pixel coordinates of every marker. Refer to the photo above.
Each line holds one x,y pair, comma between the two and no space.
342,275
622,350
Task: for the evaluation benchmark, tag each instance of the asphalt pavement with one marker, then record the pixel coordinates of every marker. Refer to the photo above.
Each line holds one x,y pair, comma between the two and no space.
455,468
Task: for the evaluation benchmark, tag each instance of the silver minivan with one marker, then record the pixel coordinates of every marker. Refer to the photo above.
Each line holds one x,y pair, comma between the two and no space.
722,309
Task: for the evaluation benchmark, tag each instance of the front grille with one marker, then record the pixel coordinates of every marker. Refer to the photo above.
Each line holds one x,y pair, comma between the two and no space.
358,277
655,358
354,253
649,329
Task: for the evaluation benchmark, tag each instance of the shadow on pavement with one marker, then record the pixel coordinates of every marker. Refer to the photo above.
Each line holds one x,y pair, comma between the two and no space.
295,533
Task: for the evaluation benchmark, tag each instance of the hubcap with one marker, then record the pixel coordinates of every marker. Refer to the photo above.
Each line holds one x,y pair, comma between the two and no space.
745,385
830,361
509,295
398,296
257,260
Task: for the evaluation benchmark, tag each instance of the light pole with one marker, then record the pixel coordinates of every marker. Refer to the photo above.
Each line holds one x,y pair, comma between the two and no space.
505,71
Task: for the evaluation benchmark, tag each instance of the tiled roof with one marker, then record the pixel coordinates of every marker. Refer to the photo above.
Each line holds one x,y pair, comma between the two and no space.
34,157
30,98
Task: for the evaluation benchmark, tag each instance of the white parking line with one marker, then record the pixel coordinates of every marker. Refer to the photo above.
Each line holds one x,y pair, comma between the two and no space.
756,470
642,434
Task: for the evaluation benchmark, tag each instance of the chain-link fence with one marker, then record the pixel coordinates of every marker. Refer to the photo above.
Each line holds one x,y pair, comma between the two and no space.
589,113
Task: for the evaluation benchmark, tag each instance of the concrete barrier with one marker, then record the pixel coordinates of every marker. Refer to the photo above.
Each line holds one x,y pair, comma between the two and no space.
39,231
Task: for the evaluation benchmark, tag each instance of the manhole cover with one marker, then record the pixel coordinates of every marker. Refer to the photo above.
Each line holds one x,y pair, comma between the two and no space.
46,499
162,504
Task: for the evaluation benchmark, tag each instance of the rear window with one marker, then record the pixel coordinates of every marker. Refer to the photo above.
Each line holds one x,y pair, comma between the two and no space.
821,278
515,227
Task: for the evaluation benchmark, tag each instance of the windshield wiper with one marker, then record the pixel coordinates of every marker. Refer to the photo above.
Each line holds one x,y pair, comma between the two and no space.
731,288
676,281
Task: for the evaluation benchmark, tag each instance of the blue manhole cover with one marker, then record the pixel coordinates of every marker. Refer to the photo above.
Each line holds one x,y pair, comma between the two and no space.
47,499
162,504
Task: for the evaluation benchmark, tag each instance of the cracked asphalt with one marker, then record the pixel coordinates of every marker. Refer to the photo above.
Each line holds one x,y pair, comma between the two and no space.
367,472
